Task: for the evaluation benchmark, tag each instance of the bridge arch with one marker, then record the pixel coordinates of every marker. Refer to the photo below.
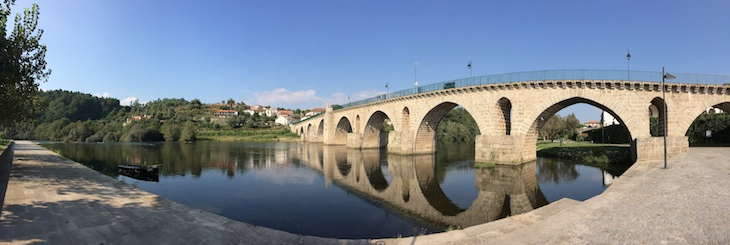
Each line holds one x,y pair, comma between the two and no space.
357,123
405,118
539,120
320,130
343,128
505,106
659,104
426,132
373,136
308,135
698,110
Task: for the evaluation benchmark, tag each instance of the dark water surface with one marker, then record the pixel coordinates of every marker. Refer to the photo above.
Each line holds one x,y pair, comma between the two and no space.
331,191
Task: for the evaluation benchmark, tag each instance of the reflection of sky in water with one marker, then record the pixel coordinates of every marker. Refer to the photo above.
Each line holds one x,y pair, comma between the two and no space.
459,184
291,198
587,184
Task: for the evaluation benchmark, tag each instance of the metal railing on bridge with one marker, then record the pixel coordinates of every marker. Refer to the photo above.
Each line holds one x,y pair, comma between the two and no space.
548,75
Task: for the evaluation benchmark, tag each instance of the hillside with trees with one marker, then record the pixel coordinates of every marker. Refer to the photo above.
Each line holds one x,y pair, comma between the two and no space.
78,117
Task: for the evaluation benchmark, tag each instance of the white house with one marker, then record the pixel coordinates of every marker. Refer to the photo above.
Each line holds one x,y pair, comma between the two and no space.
225,113
608,120
270,112
592,124
284,120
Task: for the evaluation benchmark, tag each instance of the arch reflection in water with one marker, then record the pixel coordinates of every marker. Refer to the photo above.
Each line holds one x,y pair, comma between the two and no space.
412,186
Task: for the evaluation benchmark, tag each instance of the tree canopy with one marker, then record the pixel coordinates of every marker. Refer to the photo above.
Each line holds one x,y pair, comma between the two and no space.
22,63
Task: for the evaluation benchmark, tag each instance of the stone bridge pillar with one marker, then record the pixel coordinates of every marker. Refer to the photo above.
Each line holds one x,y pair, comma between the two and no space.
401,142
501,149
354,140
330,127
652,148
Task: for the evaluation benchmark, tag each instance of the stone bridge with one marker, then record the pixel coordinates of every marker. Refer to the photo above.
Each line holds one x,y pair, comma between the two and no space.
510,110
410,184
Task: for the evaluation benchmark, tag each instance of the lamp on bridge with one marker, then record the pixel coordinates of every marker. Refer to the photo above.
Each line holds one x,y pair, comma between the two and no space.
469,66
628,62
665,76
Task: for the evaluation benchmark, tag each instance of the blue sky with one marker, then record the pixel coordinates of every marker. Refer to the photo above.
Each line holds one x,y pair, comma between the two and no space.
301,54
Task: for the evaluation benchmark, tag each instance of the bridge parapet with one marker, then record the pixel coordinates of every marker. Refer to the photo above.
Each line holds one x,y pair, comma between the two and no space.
611,76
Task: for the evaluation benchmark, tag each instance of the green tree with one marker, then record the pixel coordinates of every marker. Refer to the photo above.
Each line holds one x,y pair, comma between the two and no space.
188,132
553,128
171,131
231,103
23,63
571,125
457,126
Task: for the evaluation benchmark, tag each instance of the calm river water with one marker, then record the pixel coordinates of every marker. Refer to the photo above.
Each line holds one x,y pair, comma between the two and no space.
331,191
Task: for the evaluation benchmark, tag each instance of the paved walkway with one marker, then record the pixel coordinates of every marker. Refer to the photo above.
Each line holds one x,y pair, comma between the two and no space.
57,201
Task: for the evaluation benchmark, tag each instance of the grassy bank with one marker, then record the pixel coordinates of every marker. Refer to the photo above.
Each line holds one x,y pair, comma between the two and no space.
590,153
259,135
4,142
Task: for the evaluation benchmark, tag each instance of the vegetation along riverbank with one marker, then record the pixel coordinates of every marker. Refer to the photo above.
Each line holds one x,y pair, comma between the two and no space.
599,155
78,117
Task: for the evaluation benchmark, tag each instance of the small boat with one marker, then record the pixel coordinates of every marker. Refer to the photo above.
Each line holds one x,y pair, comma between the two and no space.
145,173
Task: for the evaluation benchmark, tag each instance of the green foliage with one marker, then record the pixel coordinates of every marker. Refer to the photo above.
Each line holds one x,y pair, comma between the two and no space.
237,121
138,132
75,106
457,126
587,152
597,159
719,124
654,126
189,132
78,117
553,128
171,131
23,64
558,127
614,134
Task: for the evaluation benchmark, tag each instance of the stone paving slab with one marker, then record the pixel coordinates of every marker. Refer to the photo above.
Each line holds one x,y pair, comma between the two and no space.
52,200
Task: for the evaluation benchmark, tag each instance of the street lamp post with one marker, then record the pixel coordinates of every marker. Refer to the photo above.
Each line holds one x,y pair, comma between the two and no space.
664,77
469,66
415,76
628,62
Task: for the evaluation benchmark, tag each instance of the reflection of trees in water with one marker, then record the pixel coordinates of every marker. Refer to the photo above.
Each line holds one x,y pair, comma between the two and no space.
451,154
555,170
176,159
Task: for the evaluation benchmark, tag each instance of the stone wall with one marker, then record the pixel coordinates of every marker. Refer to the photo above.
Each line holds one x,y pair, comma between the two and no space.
6,163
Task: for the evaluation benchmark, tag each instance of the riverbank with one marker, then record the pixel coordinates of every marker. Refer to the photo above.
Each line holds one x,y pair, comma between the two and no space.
250,135
590,153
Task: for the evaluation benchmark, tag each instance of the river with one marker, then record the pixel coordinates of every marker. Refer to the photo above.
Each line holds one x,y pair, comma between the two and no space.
331,191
